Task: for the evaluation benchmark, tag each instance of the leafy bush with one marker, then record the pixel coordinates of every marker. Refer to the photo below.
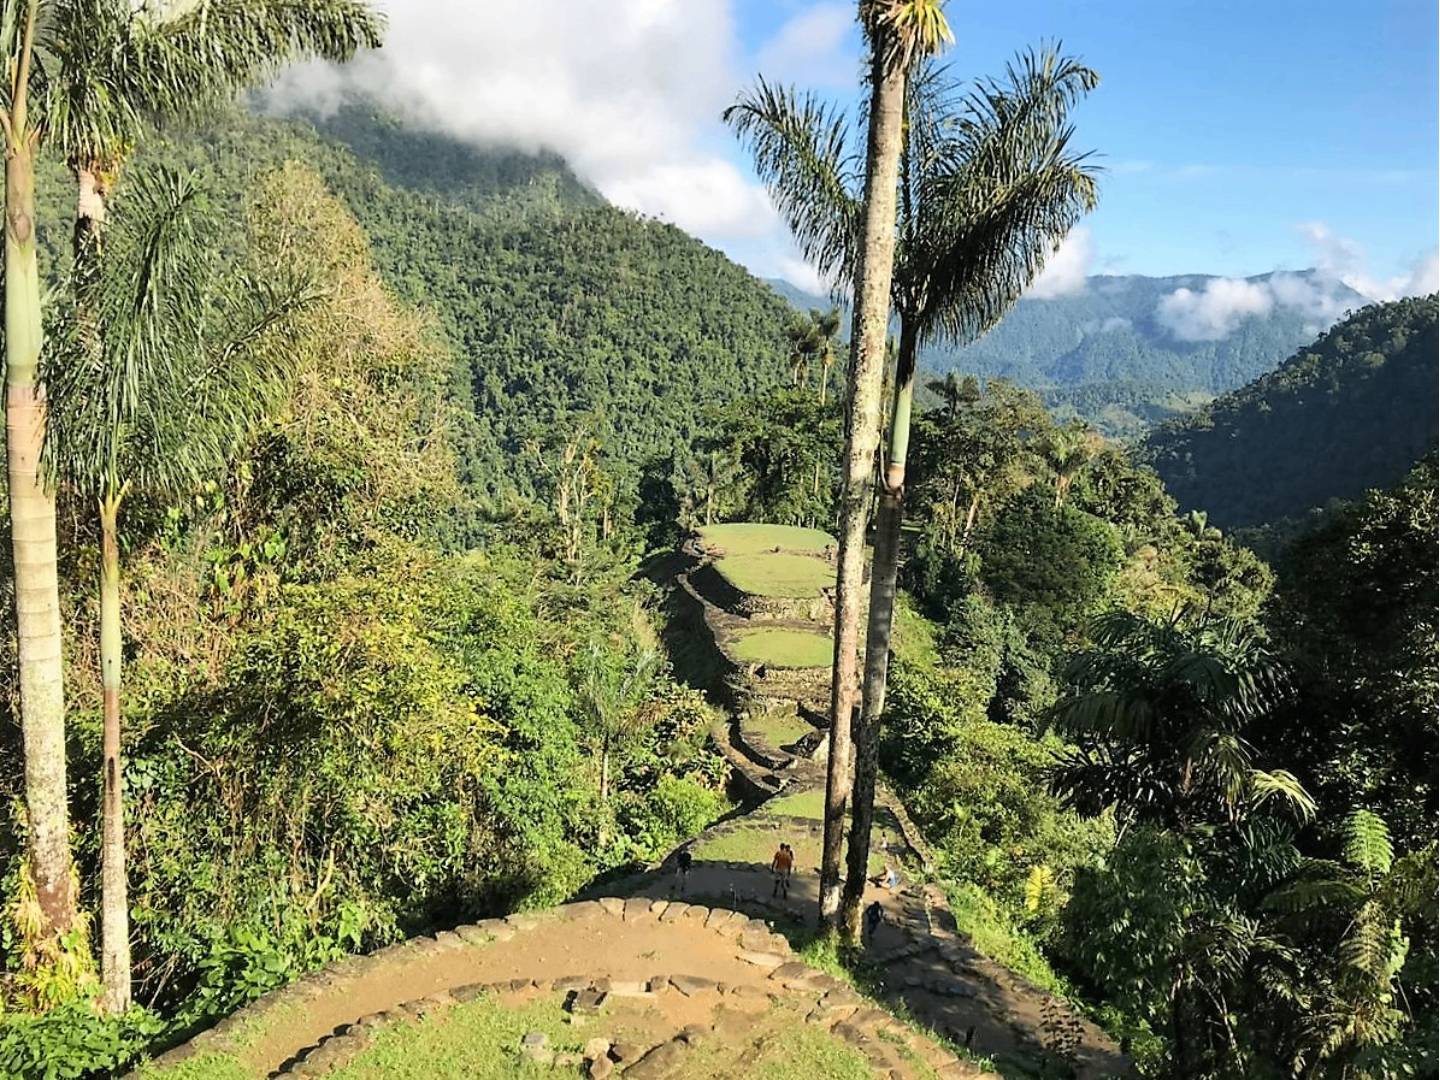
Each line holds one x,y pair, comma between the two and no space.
676,808
73,1041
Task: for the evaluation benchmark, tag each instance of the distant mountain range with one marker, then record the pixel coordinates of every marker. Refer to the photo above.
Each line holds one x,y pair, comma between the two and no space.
1352,411
1129,351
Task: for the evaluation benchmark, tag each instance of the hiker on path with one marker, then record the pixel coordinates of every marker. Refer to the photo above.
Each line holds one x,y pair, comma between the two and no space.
683,862
874,916
781,866
890,879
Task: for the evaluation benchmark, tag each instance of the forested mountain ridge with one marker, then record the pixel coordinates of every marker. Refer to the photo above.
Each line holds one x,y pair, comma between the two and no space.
1107,355
565,314
1354,410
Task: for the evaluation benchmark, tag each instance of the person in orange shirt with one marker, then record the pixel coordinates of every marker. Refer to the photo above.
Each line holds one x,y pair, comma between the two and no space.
781,866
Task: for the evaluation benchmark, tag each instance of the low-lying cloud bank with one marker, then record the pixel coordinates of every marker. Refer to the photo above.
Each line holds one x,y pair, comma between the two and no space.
1217,310
628,92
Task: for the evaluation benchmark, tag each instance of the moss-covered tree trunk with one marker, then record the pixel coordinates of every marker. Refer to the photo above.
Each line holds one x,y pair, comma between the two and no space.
884,572
32,530
862,436
114,889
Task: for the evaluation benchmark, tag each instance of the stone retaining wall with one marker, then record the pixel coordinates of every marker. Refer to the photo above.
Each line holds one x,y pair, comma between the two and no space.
835,1004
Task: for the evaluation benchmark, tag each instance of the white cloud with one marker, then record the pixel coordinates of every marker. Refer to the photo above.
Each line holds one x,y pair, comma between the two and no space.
1321,297
1316,296
629,92
1342,259
706,196
1067,268
1215,311
802,275
813,49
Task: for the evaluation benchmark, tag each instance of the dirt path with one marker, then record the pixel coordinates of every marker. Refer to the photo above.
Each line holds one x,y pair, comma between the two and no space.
923,961
677,989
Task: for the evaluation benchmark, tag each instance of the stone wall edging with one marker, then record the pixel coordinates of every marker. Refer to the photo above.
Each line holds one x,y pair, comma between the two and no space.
757,943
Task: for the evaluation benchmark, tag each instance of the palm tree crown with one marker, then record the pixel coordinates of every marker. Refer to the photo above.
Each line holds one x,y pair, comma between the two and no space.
113,66
182,367
988,184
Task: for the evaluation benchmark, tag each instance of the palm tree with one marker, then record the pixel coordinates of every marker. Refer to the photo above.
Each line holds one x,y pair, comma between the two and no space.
826,325
1067,451
118,66
801,158
987,192
987,187
803,348
148,399
955,391
610,699
1159,718
32,503
109,66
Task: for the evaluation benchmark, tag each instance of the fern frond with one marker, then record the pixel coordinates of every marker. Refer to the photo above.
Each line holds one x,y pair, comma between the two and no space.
1367,844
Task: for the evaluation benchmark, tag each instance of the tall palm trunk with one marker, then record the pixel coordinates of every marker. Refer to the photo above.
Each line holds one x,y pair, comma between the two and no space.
32,531
114,890
884,571
862,436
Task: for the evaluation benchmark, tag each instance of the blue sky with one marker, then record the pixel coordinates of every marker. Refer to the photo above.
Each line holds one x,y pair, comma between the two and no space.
1225,126
1240,138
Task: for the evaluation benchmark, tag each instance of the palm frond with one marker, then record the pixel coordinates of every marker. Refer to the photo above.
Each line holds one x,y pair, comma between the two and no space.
1311,894
164,364
800,145
1282,786
901,30
115,66
998,191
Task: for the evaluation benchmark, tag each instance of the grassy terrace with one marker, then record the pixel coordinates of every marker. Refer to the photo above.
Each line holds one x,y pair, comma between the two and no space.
778,727
753,538
777,574
782,647
479,1041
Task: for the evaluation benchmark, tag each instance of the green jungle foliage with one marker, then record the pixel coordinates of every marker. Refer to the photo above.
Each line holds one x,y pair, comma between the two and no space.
1195,794
300,650
559,309
1352,411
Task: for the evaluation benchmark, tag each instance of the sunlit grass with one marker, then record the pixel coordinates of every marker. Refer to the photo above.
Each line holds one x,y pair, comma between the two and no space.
783,647
778,727
779,575
751,537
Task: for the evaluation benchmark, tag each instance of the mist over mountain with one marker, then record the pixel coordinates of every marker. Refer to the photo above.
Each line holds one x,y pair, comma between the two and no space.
1128,351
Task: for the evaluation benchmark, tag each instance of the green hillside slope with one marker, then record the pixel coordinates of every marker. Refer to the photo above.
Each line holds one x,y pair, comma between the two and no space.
564,313
1352,411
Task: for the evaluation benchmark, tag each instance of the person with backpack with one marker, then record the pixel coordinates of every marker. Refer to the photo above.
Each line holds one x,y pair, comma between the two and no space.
683,861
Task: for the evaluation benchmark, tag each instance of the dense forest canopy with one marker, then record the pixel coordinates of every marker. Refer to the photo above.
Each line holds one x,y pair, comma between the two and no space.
1354,410
560,309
